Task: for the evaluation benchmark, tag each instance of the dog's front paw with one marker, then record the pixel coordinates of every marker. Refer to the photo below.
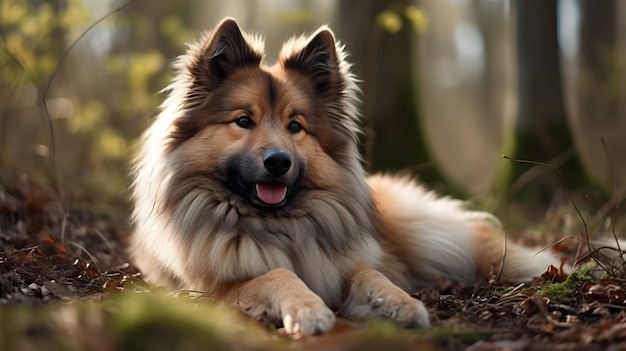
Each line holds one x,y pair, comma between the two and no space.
311,317
400,307
372,295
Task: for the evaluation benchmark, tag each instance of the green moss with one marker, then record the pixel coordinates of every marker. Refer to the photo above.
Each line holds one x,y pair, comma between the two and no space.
132,321
385,335
569,287
157,322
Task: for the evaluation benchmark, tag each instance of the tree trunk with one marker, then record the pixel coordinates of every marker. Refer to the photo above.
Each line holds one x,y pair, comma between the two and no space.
542,131
393,137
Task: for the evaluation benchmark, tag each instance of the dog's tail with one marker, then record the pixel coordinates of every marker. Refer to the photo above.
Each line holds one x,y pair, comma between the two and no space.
425,237
497,257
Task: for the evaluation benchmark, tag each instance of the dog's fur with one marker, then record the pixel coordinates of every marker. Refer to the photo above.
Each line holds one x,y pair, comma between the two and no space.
211,215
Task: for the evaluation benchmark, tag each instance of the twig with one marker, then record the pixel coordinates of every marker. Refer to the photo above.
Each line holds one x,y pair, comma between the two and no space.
569,193
104,239
615,192
46,90
554,244
534,172
44,104
93,259
177,293
514,291
29,248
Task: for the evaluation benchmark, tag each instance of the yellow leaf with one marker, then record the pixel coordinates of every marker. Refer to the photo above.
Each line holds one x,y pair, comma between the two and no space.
12,12
390,21
417,18
89,118
111,144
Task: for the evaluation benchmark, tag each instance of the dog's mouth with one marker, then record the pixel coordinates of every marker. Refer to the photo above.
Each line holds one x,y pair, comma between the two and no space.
270,194
260,189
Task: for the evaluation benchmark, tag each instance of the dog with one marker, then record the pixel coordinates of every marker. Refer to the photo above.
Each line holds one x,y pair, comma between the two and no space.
249,185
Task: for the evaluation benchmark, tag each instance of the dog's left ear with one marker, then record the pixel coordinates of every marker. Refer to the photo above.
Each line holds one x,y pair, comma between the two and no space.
318,60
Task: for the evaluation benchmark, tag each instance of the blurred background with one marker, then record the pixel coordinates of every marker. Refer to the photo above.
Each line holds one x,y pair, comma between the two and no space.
449,87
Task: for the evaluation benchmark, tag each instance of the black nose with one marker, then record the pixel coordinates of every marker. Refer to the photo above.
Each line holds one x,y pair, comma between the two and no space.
276,162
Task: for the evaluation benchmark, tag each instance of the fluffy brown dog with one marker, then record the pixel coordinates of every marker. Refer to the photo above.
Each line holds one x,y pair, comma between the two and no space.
249,186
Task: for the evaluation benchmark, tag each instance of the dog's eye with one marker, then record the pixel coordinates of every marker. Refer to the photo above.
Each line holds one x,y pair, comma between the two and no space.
244,122
294,127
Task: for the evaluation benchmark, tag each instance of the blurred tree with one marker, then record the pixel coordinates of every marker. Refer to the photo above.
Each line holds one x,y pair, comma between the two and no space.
379,34
33,38
101,90
595,81
542,133
465,70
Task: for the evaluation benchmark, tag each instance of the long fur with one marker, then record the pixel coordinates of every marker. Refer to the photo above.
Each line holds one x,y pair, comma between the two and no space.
338,227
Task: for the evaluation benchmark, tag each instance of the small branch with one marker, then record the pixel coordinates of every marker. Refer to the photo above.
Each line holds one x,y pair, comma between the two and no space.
569,192
46,90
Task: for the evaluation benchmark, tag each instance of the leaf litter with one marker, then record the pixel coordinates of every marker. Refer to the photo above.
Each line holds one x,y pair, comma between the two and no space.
62,271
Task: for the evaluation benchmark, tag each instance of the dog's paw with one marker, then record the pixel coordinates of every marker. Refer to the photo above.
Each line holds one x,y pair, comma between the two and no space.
387,302
400,307
311,317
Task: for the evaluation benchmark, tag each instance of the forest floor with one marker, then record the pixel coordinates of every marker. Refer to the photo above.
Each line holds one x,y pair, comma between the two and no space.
66,284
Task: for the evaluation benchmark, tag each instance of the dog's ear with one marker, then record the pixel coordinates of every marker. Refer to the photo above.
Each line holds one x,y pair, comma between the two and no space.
203,69
225,50
317,59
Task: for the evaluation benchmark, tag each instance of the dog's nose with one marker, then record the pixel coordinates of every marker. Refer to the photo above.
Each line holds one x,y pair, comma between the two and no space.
276,162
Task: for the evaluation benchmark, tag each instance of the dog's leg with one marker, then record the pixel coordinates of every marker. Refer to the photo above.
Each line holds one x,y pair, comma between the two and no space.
281,295
372,295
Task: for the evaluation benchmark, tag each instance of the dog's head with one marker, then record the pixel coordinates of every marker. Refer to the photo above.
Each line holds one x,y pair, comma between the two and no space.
266,133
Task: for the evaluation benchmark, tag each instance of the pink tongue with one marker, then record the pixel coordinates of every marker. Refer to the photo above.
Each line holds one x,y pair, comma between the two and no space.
271,193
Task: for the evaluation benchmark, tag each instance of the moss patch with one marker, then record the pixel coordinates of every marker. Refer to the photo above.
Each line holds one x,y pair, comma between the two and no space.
569,287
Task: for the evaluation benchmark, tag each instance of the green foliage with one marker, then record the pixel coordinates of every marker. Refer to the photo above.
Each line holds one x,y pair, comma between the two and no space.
389,21
107,89
295,16
90,115
417,18
132,321
26,36
174,29
181,324
138,70
156,321
569,287
392,21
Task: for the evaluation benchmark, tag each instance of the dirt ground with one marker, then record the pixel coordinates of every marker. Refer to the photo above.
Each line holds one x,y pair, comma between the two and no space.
66,283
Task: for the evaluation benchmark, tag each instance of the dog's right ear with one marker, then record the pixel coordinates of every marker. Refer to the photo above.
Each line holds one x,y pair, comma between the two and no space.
203,69
223,51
